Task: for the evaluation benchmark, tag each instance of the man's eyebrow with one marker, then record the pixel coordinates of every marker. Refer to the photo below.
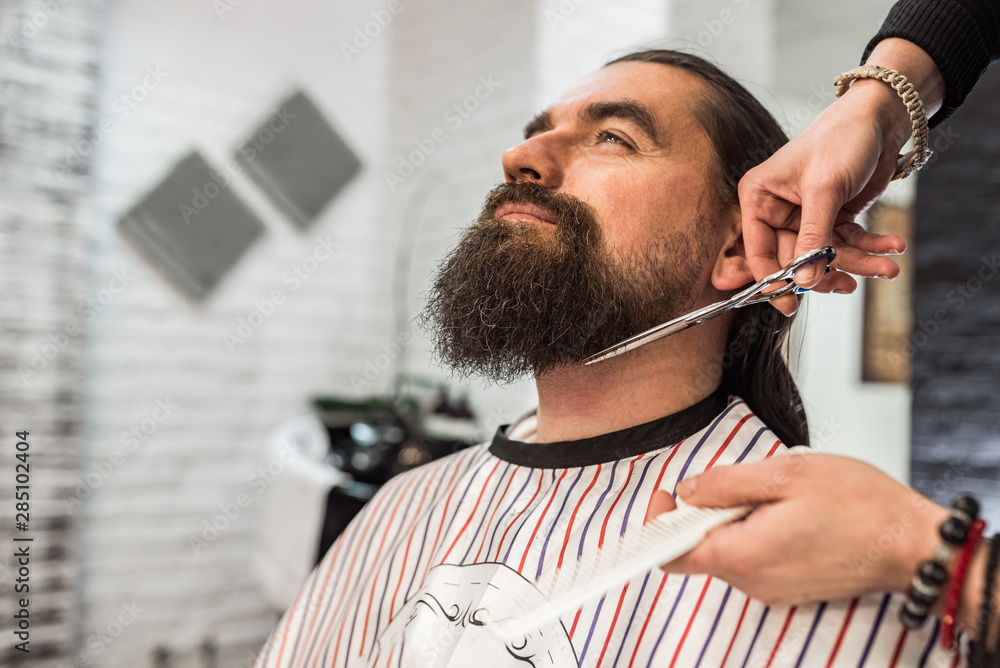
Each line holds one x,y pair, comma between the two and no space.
540,123
631,110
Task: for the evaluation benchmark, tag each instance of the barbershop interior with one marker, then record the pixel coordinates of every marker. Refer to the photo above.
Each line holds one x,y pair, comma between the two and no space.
219,222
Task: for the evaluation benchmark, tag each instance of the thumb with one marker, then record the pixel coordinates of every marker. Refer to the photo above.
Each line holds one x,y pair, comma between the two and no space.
819,213
756,483
661,502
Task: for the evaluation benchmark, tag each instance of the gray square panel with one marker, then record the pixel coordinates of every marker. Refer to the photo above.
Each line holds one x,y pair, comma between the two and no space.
298,159
192,226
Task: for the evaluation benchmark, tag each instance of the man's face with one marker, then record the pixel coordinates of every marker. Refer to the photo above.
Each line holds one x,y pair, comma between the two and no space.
606,226
626,141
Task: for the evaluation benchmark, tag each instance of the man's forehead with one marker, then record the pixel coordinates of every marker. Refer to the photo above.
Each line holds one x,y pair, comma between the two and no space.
666,91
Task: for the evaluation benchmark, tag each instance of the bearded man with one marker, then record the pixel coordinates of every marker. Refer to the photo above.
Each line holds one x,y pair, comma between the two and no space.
619,212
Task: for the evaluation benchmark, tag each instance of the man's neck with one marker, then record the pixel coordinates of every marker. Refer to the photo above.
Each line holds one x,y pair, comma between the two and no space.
658,379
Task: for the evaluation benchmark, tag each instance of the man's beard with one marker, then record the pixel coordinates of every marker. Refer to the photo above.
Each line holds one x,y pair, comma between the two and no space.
516,298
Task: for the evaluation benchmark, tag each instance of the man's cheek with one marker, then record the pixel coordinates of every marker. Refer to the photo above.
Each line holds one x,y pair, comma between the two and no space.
625,233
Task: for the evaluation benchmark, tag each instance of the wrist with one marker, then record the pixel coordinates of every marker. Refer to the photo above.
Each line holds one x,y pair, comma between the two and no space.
920,71
916,65
880,101
941,582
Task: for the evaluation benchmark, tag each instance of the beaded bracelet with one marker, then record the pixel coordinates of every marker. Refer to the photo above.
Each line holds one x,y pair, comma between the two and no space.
955,588
926,586
921,152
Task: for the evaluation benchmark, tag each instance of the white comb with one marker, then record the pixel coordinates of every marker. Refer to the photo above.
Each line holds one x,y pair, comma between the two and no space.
662,539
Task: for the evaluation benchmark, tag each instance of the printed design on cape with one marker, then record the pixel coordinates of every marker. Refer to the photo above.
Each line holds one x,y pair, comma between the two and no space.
446,623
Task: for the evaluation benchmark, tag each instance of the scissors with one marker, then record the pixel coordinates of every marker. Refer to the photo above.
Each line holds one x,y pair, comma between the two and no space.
753,294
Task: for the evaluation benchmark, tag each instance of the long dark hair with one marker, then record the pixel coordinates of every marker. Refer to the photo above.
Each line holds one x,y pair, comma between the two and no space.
744,134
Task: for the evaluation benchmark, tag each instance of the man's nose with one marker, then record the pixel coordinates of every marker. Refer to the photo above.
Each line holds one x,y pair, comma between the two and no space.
533,160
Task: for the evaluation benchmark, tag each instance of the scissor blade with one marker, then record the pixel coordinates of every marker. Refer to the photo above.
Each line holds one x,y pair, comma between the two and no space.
650,335
662,331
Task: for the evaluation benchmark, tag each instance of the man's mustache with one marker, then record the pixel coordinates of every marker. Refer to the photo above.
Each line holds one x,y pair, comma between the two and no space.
564,208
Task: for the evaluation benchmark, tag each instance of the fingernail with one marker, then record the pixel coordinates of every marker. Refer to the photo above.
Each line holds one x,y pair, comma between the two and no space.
842,292
894,251
686,487
887,278
805,274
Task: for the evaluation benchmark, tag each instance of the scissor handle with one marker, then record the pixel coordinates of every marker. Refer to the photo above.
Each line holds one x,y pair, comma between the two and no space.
755,293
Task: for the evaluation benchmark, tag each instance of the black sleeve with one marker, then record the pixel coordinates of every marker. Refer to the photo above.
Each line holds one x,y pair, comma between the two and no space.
961,36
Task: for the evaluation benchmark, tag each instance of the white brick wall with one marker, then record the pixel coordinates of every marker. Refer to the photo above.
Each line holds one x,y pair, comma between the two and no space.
48,74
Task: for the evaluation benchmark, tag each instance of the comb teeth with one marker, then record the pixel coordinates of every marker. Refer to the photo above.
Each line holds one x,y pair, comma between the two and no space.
662,539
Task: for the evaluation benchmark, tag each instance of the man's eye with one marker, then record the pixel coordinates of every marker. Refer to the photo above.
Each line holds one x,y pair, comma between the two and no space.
604,136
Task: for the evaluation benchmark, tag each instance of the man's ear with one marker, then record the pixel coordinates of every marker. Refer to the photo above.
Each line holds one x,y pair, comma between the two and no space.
731,270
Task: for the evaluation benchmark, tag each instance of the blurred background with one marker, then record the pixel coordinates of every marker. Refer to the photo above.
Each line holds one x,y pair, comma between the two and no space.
218,219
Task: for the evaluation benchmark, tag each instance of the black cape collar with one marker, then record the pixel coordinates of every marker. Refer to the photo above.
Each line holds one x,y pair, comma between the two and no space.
615,445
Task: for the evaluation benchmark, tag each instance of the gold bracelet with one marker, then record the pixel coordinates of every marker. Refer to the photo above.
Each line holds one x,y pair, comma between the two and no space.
921,152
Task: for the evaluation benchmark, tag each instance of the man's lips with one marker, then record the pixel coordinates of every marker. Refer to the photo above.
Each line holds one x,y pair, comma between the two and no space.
524,211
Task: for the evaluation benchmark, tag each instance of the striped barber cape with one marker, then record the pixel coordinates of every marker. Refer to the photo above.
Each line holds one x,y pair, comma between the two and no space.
410,582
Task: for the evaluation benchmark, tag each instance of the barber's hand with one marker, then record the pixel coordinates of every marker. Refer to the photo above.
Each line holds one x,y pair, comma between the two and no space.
808,194
828,527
